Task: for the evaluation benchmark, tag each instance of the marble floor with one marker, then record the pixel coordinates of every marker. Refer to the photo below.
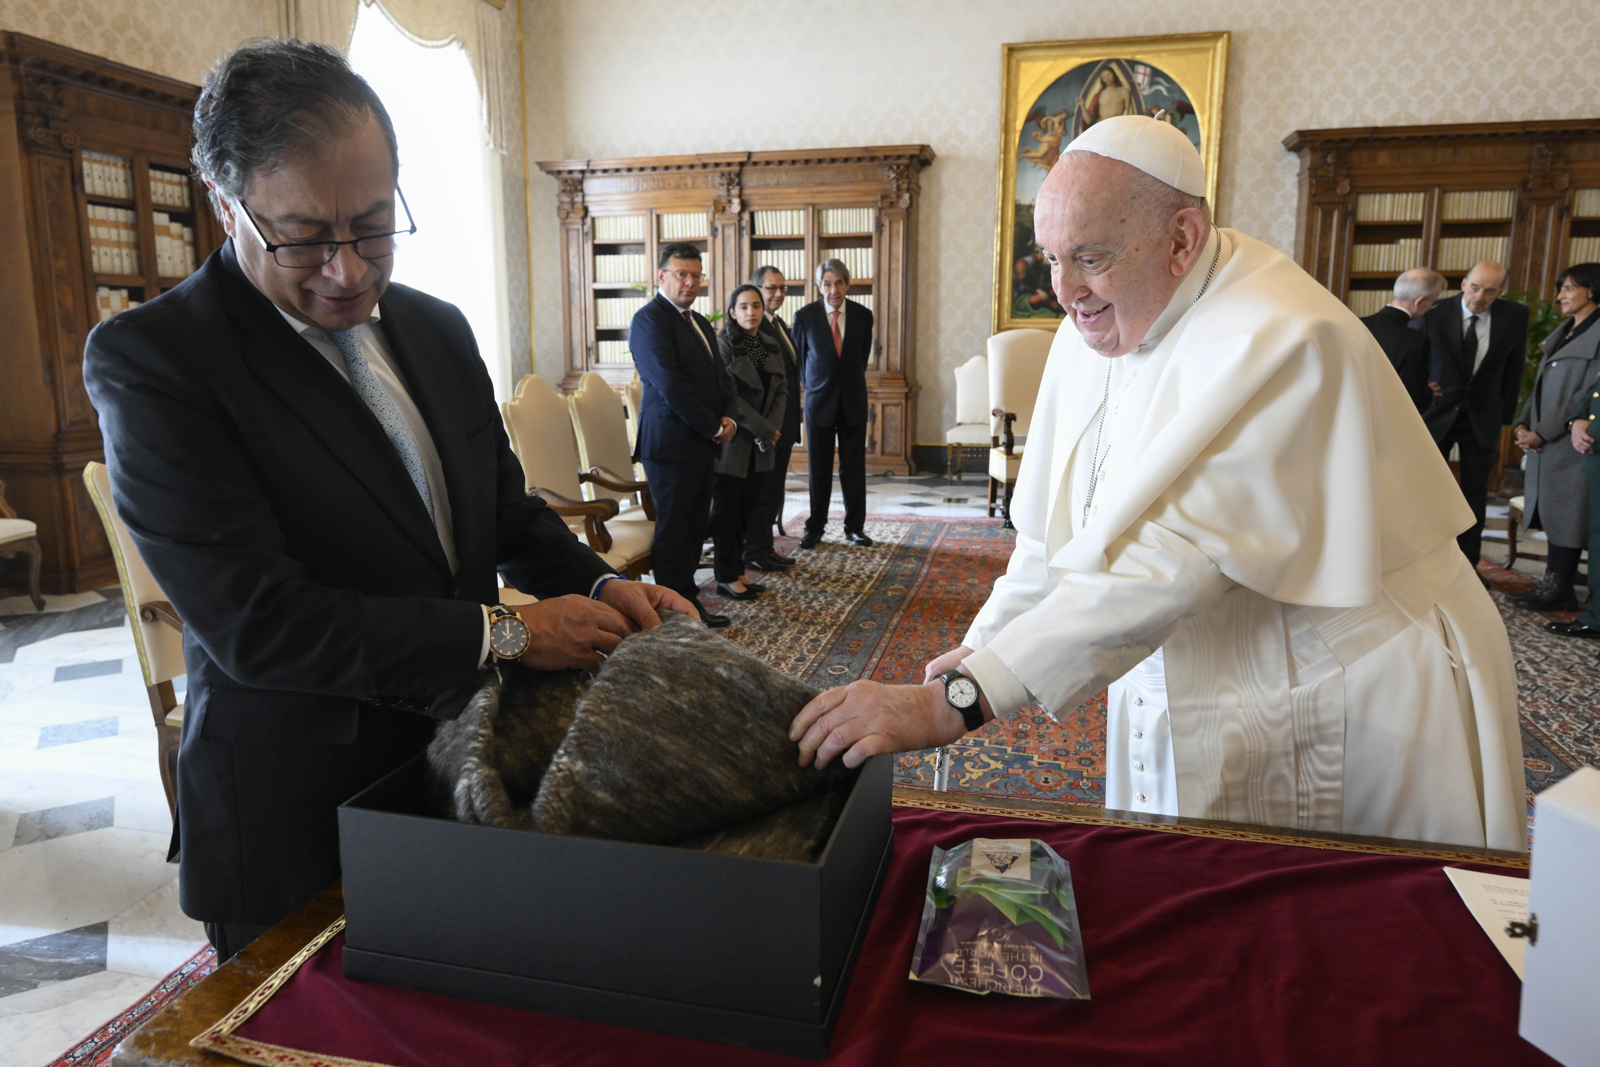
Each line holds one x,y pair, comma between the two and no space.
89,917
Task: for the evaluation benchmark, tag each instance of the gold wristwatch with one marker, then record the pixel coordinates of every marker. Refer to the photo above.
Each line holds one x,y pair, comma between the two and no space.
508,634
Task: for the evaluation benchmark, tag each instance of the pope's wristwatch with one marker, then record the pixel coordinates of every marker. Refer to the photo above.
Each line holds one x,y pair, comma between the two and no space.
508,634
962,694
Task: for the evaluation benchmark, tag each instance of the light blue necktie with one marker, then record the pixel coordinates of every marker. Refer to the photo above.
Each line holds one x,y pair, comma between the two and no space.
382,405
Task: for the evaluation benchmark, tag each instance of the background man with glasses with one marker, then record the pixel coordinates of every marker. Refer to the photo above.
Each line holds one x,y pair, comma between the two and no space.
313,466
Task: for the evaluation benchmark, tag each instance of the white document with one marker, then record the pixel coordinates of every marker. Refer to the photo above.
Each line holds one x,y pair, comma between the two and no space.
1495,900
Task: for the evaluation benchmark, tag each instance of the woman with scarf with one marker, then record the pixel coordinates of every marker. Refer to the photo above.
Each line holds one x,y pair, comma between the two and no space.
756,387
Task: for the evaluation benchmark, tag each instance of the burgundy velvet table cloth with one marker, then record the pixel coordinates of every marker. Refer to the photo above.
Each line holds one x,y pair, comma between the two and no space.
1200,951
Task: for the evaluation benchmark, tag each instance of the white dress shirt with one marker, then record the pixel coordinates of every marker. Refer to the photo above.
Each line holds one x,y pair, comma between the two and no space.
1482,330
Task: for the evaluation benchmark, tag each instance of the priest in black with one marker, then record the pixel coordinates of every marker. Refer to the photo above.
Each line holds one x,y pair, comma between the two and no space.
1415,292
312,464
833,337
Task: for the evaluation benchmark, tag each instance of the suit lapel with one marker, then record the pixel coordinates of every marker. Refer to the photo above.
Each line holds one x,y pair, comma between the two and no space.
330,409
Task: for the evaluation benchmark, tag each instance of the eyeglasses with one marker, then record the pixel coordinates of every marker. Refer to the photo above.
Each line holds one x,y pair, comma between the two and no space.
686,275
772,288
297,254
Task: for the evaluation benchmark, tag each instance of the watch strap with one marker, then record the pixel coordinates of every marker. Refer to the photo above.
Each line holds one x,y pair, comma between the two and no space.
972,716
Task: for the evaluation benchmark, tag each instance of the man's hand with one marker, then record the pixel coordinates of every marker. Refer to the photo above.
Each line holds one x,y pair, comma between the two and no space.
1580,436
640,602
1436,390
869,719
1527,440
568,632
729,428
947,662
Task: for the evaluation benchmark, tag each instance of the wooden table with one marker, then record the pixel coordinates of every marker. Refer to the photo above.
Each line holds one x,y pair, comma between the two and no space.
163,1041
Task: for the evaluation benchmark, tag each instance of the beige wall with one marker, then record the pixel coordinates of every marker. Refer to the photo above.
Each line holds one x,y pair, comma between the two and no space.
639,77
178,38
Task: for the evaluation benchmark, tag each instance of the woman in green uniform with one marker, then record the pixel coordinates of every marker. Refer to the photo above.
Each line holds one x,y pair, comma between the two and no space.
1583,414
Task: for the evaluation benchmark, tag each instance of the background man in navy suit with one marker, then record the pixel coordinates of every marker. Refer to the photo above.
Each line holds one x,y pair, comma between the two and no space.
313,466
833,336
1415,292
681,418
1477,346
758,549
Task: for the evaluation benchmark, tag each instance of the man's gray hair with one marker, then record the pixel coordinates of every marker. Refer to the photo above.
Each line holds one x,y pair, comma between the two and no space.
274,100
832,266
1418,282
759,275
1150,195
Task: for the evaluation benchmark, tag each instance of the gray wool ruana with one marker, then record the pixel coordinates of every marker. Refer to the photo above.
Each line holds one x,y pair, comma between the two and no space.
681,738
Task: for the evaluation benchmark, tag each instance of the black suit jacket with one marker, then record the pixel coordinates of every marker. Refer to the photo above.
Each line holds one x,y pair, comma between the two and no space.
835,383
1407,350
1489,397
681,403
778,330
323,631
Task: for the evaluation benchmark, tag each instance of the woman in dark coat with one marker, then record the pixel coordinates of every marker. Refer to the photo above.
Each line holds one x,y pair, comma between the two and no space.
756,386
1555,493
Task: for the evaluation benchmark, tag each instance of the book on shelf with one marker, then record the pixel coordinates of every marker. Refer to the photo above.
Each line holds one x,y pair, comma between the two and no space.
1586,204
113,240
174,247
834,221
1490,205
865,300
612,352
858,261
619,228
169,188
1366,302
624,269
791,304
791,261
107,175
684,226
1390,207
616,313
784,223
1396,255
1461,253
110,301
702,304
1583,250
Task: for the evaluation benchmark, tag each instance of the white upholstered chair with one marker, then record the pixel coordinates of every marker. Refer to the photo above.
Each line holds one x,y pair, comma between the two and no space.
19,536
972,414
600,420
631,395
539,423
1016,363
157,630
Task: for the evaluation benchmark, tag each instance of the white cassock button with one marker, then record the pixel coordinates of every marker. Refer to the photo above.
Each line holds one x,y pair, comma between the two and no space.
1138,735
1138,765
1139,701
1142,798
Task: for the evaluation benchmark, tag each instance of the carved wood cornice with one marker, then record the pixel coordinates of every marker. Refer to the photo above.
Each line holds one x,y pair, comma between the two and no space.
716,165
1548,131
44,67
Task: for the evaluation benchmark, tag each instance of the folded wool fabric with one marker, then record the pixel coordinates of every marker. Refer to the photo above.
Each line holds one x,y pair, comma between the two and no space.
681,738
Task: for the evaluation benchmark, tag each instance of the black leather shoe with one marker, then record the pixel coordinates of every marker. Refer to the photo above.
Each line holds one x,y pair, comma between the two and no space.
754,587
715,622
810,540
859,538
766,563
733,594
787,561
1553,593
1572,629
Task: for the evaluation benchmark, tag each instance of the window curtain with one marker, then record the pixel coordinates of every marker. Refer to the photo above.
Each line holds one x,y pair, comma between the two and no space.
485,31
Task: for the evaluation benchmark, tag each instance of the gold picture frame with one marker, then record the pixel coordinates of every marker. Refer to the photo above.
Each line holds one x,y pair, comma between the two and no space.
1050,91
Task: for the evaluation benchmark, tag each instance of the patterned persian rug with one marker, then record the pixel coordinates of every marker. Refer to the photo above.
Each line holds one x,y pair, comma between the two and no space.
95,1050
881,613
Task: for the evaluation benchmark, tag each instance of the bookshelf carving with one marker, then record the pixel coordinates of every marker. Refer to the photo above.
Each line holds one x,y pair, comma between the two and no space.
745,209
97,213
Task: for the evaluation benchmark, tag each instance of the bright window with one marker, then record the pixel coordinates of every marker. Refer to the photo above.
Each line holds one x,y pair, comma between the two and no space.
449,173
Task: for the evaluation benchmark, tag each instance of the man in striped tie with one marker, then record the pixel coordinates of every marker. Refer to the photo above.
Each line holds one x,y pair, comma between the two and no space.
833,337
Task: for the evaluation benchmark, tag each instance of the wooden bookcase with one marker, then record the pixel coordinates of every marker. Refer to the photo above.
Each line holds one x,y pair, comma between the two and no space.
56,104
743,210
1378,200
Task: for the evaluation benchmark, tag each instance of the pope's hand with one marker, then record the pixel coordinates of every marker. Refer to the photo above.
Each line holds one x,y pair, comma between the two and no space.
568,632
947,662
1580,436
639,602
866,719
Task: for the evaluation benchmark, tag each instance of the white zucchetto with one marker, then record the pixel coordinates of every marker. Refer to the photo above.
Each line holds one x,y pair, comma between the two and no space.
1158,148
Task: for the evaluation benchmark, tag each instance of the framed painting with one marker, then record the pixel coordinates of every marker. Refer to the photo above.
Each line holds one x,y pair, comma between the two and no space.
1051,91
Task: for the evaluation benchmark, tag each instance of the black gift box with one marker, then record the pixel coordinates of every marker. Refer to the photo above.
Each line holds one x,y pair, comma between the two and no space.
723,948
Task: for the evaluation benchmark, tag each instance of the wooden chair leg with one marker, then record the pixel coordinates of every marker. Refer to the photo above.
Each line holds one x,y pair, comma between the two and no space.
29,548
951,454
990,509
1006,510
167,753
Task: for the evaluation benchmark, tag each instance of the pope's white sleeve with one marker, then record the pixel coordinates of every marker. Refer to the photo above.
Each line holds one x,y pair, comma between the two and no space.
1024,584
1092,628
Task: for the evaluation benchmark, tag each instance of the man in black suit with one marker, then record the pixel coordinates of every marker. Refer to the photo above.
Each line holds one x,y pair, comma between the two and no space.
1477,344
1415,292
681,418
312,464
833,337
758,549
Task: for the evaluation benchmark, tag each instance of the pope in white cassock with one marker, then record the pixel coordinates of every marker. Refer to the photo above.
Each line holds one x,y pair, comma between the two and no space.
1229,512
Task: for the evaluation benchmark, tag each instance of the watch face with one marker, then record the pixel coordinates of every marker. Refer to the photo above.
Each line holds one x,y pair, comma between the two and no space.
961,692
508,637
